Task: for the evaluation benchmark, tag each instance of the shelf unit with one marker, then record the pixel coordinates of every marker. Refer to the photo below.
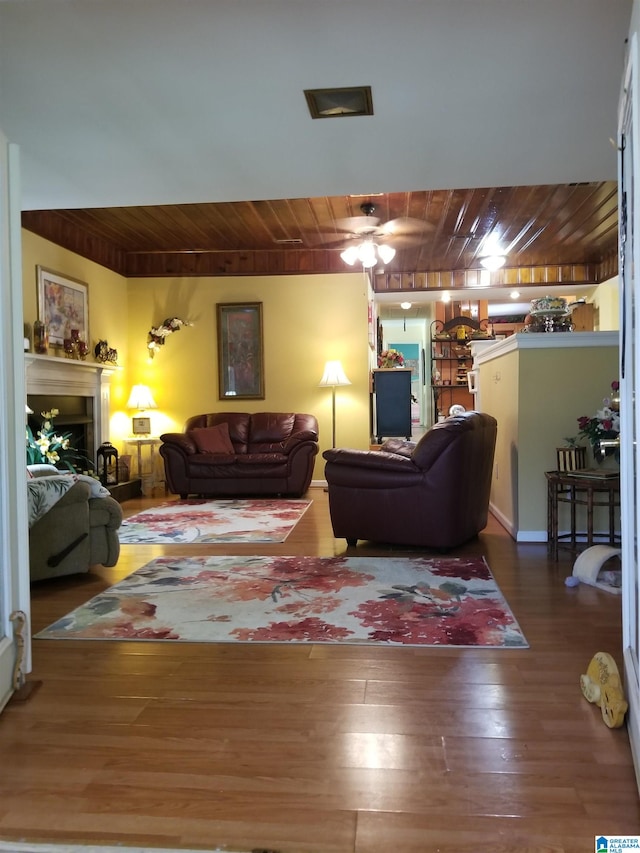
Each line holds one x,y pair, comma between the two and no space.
451,361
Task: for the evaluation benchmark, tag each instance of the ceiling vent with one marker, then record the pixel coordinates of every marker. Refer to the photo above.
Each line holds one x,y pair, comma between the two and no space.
339,103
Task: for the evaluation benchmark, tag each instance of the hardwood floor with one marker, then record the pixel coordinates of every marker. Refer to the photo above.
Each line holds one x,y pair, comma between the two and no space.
323,749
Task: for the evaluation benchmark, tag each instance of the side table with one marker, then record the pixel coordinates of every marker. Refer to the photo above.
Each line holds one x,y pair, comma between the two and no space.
581,488
146,467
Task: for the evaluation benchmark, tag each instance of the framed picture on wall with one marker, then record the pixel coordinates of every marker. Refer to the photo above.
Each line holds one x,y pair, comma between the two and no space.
240,351
63,305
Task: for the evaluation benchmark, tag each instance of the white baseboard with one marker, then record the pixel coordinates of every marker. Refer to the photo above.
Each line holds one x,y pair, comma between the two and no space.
504,521
531,536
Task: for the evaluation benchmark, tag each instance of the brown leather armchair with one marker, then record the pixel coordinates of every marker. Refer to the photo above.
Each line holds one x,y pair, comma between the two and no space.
434,493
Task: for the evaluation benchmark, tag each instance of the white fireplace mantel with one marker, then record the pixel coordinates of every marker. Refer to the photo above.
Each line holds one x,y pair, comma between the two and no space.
52,375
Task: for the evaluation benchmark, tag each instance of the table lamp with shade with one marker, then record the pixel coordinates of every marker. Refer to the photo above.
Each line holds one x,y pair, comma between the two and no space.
141,399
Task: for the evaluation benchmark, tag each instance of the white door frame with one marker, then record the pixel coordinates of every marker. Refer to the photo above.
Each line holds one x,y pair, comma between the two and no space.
14,543
629,222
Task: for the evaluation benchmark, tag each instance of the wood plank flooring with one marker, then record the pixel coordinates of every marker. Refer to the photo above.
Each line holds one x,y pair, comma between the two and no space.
323,749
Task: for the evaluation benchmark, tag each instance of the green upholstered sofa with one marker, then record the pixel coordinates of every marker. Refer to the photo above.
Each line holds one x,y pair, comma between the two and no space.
79,530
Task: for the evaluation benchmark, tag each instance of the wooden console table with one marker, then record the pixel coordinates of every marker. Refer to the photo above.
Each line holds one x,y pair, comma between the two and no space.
581,489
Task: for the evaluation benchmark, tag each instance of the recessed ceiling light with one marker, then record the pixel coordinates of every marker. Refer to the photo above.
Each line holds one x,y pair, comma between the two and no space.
446,296
405,305
339,103
514,294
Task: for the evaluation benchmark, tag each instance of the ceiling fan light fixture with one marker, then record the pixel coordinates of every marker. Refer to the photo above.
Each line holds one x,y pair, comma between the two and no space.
367,254
350,255
493,262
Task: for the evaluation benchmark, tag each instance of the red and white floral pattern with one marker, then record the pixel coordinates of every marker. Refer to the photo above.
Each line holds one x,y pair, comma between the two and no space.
402,601
262,520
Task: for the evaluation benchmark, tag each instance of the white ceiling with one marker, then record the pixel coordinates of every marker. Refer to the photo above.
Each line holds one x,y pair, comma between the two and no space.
128,102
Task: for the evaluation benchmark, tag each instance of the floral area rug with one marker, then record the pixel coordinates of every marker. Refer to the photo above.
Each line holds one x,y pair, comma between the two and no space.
444,601
260,520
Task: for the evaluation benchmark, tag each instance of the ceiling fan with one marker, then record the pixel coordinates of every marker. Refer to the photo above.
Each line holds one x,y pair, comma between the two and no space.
370,241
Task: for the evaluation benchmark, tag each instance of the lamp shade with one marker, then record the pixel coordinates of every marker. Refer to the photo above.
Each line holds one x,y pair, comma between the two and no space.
141,398
333,375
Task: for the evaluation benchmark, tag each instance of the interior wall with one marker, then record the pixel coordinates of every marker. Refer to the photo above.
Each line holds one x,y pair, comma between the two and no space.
537,396
108,307
499,384
307,320
606,299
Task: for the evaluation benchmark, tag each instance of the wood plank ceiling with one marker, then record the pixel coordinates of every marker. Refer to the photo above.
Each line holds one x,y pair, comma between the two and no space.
556,234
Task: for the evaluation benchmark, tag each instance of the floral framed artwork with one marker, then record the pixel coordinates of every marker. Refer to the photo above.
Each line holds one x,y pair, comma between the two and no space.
240,350
63,305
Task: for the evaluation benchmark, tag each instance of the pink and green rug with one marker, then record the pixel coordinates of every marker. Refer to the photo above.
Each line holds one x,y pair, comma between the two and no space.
196,521
444,601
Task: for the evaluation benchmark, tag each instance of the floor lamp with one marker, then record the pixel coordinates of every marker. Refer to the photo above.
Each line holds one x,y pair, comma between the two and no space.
333,376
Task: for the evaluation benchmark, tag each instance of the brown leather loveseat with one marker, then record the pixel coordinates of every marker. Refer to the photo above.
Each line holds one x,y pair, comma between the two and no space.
237,454
434,493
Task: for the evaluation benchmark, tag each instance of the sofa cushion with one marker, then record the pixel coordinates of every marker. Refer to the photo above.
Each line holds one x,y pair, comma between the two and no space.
97,489
44,492
213,439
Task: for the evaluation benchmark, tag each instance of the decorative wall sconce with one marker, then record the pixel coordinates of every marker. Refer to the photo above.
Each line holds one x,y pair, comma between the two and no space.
158,334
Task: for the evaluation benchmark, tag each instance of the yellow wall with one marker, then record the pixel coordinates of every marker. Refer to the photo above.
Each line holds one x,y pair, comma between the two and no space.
606,298
108,307
537,396
494,377
306,321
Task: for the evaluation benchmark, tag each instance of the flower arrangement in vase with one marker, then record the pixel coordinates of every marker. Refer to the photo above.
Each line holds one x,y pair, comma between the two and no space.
391,358
52,447
602,430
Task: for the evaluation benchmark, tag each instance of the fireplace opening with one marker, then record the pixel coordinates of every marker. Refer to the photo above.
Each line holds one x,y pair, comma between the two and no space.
76,418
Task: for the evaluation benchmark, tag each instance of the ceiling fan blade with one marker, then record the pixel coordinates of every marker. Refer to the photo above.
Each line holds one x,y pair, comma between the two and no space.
404,241
358,224
328,237
406,225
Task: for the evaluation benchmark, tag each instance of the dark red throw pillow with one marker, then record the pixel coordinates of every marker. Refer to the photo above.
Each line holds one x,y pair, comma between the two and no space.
213,439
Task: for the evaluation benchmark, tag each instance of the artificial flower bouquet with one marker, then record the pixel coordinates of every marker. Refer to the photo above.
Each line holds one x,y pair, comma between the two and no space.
158,334
391,358
51,446
605,424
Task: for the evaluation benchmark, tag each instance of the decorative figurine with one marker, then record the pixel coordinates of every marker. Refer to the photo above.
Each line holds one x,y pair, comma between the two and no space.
602,686
105,354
